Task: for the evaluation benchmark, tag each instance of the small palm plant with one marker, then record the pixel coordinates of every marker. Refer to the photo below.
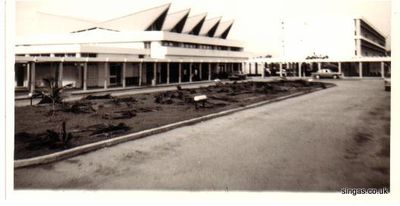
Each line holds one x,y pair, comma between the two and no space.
52,93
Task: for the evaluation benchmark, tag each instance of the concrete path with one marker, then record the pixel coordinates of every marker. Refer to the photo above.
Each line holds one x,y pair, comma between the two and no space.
318,142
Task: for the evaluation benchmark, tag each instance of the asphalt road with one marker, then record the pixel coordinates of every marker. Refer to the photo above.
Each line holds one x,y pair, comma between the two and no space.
324,141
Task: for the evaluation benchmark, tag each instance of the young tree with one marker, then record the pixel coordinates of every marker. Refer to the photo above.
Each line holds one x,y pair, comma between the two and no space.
52,93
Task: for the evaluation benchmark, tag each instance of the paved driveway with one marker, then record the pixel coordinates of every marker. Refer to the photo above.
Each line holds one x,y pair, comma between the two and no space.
335,138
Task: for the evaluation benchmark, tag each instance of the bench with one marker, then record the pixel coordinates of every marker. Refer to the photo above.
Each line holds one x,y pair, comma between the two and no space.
200,99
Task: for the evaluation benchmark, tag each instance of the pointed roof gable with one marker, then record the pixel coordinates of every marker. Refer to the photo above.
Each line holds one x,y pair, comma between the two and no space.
223,29
210,26
194,24
150,19
175,22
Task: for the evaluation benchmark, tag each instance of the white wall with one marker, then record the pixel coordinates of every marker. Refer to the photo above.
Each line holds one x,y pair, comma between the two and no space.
101,72
161,52
132,70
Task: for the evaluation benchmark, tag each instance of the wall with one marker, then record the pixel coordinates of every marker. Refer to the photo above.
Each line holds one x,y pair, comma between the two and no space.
71,75
92,75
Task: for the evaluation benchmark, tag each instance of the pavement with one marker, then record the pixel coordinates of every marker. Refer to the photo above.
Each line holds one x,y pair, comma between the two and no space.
323,141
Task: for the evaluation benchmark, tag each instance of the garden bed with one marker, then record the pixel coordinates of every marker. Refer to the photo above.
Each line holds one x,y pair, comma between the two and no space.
40,131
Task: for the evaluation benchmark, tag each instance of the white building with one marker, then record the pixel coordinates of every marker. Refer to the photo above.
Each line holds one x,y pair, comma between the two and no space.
349,45
336,37
148,47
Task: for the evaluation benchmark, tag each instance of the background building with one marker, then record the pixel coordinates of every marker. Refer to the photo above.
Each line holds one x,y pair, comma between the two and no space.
348,45
335,37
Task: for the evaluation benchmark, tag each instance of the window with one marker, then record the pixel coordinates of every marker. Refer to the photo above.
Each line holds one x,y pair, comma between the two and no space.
91,55
59,55
147,45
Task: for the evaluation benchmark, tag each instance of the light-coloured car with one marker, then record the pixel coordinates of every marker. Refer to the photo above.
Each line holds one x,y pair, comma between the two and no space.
284,73
387,83
326,73
237,76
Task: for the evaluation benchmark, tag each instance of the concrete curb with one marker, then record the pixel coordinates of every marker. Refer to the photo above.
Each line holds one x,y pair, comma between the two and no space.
116,140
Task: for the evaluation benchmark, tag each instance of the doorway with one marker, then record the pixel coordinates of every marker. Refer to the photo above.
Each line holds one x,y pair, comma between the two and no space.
115,74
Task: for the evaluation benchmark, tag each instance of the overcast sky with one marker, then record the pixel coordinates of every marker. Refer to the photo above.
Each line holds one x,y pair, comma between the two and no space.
256,21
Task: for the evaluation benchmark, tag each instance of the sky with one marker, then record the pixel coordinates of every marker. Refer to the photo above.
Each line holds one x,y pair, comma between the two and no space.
257,22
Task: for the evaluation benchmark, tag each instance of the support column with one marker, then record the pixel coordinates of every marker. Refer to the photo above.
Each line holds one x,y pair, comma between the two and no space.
201,71
80,75
28,75
106,71
140,73
299,69
190,72
261,66
180,72
209,71
60,73
85,76
360,69
33,77
154,82
319,66
280,70
383,69
123,75
340,67
168,72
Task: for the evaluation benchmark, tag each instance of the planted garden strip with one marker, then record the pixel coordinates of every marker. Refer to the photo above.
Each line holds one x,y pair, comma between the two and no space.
46,129
116,140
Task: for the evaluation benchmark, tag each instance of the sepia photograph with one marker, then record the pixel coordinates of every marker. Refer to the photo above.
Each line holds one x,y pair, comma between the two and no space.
201,96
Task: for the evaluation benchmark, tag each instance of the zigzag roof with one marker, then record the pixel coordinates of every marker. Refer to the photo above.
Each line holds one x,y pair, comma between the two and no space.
223,29
194,23
210,26
153,19
176,21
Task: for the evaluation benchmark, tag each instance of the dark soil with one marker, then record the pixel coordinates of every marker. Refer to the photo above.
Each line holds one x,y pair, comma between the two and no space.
97,118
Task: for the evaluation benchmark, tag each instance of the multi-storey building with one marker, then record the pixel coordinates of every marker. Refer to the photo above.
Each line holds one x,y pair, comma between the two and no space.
355,46
335,37
149,47
369,41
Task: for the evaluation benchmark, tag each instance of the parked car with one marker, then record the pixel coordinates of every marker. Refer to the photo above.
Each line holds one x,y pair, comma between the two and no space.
387,80
237,76
284,73
387,83
326,73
